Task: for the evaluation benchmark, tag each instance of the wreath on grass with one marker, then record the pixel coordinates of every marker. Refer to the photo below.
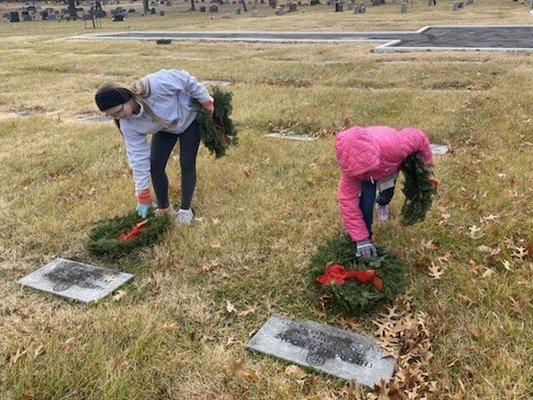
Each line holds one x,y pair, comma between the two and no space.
119,236
375,282
418,188
217,132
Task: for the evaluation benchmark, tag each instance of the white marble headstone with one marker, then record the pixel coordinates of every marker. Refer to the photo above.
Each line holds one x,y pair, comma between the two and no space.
75,280
335,351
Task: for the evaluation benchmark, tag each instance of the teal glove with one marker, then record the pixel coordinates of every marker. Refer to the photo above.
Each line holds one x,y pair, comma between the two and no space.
142,209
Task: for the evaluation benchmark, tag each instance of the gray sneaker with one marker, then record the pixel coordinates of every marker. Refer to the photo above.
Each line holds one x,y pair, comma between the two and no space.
184,217
382,212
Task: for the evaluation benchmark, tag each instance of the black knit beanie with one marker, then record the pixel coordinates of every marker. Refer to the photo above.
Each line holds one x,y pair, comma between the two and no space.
112,97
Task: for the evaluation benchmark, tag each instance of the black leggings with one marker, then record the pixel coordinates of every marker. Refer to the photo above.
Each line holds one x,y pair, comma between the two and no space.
162,145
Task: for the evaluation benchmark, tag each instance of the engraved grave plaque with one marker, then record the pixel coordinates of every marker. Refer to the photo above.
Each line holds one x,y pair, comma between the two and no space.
334,351
75,280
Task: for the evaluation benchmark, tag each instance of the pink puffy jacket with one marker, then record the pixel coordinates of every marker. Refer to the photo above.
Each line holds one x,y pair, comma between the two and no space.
371,154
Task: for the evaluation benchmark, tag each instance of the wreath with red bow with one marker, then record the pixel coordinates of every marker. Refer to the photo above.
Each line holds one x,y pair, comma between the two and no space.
119,236
352,285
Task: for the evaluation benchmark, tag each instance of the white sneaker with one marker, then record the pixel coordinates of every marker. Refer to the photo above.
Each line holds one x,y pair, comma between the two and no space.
184,217
382,213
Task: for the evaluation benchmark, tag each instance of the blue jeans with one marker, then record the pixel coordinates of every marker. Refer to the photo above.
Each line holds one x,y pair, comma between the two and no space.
367,200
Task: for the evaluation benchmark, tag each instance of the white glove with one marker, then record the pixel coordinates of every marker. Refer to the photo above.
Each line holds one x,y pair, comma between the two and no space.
366,249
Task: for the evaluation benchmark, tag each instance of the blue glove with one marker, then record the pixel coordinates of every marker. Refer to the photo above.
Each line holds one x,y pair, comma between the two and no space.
142,209
366,249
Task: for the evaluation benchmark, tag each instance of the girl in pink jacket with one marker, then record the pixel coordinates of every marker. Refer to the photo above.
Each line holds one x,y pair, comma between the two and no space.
370,159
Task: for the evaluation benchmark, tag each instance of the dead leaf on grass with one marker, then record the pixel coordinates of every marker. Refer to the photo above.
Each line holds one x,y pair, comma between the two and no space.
436,271
230,308
15,357
120,294
295,372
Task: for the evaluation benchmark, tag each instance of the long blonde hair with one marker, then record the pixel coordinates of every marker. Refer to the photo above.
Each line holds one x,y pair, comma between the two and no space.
139,91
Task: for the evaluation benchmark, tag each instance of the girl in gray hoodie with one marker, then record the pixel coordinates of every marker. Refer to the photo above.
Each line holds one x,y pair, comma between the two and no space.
159,104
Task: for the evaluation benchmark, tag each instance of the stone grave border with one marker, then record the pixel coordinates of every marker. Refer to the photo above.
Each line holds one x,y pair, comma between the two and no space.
387,45
391,46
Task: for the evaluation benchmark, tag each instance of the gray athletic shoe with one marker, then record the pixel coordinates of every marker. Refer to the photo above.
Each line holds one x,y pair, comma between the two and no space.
184,217
382,213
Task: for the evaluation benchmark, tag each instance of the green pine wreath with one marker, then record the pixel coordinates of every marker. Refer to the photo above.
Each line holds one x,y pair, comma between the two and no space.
352,297
218,132
418,190
104,239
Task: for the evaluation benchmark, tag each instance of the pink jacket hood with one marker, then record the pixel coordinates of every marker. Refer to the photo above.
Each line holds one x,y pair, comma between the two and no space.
357,151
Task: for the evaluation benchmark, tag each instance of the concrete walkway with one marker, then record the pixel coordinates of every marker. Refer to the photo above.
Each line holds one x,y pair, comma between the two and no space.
430,38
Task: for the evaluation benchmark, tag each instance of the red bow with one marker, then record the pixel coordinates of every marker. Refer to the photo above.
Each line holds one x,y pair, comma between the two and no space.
134,232
338,274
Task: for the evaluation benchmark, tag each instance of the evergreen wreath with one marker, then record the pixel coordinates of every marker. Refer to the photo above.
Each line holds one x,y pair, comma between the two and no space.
352,297
417,188
218,132
105,239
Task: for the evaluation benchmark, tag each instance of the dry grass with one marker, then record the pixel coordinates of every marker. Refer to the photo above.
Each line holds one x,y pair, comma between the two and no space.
263,209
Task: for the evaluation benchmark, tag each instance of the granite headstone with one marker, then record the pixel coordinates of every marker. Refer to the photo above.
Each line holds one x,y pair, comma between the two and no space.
75,280
335,351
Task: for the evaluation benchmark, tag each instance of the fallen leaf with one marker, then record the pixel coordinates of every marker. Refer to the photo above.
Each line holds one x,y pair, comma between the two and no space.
246,311
488,272
38,351
230,308
506,265
120,294
436,271
67,343
429,245
473,231
519,252
15,357
171,327
295,372
445,257
349,323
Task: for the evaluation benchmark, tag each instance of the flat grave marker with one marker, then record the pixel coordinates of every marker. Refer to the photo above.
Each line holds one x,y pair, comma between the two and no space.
302,138
335,351
75,280
439,149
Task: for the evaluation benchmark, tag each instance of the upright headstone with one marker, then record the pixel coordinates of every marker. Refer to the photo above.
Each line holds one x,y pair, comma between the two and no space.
213,8
14,16
335,351
254,12
469,2
404,7
432,2
455,6
339,6
273,3
280,10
